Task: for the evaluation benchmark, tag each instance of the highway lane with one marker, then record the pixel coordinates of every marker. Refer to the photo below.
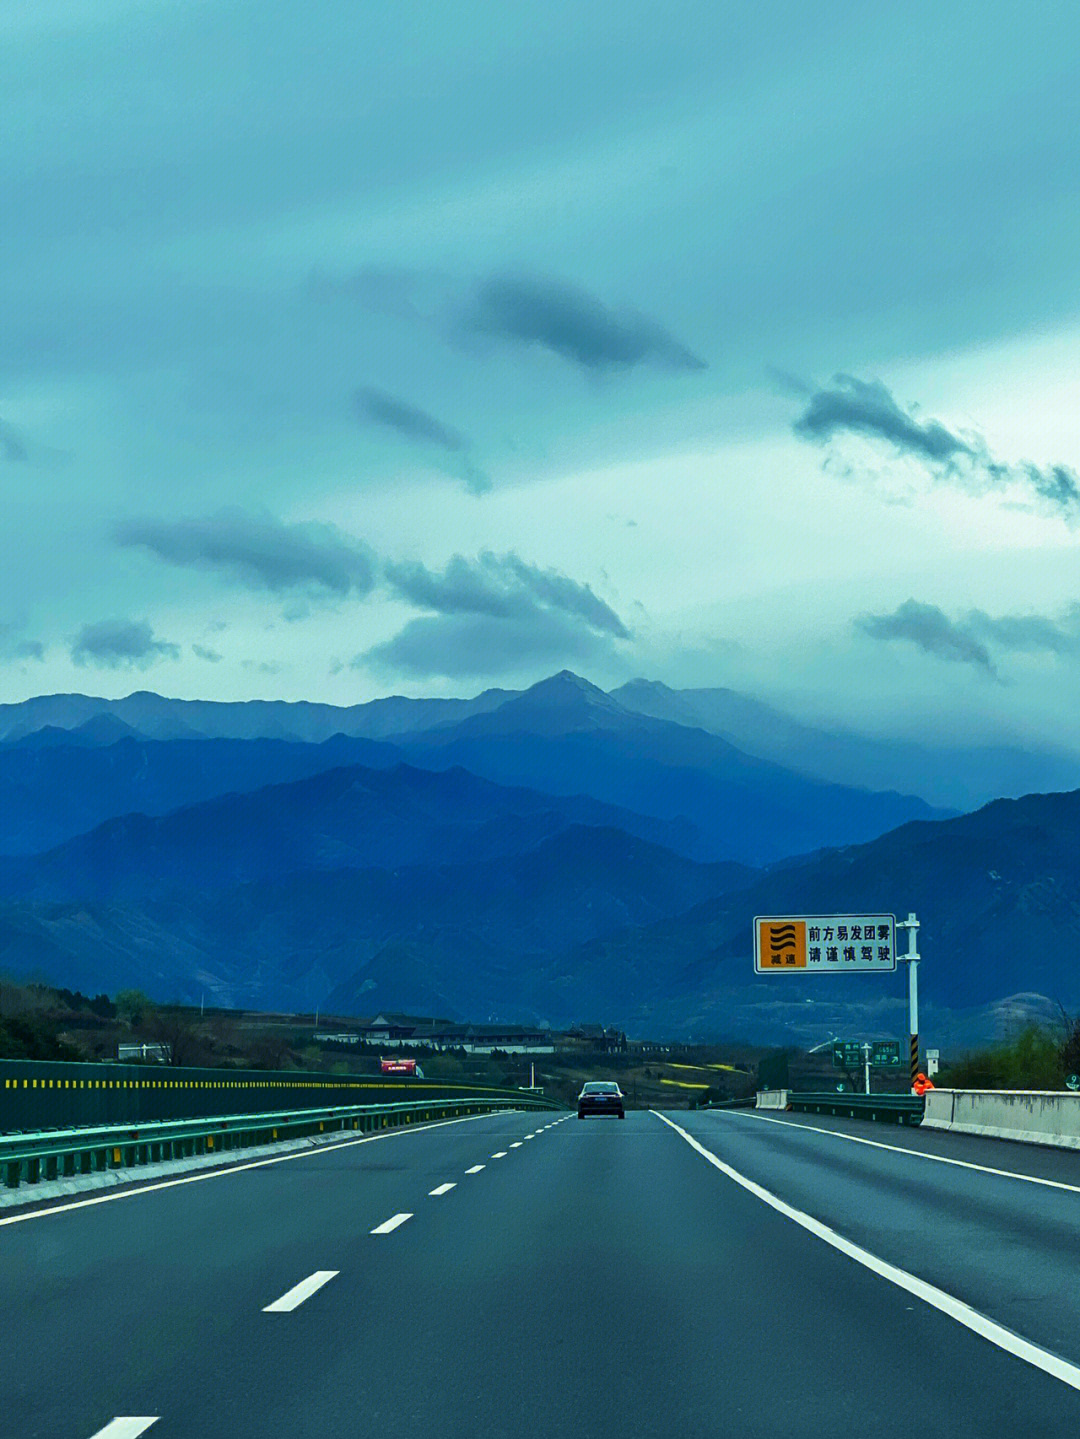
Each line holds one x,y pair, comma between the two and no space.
997,1241
601,1278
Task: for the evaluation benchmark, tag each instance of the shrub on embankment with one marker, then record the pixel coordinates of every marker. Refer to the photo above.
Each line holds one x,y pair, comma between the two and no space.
1036,1058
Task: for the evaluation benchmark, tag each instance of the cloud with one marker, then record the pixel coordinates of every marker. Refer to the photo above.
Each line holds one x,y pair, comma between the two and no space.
417,425
492,615
966,640
260,551
501,587
932,631
868,408
407,420
1028,634
202,652
14,648
574,325
116,644
461,645
1059,485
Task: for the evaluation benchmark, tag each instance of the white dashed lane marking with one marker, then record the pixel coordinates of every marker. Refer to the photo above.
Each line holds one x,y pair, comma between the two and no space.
127,1428
475,1169
516,1144
389,1225
443,1189
299,1292
499,1154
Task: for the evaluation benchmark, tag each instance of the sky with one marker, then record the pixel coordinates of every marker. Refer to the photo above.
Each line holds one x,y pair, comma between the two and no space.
350,349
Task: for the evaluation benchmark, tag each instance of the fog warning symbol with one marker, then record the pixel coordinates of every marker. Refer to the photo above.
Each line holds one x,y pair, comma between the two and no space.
783,944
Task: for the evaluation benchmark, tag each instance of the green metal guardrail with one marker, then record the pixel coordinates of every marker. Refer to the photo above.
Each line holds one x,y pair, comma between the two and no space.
886,1108
59,1154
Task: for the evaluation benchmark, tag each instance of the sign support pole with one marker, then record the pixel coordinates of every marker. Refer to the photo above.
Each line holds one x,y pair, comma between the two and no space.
911,959
866,1067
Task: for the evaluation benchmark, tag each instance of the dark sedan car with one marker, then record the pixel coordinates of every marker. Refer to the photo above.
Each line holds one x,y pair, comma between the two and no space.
600,1098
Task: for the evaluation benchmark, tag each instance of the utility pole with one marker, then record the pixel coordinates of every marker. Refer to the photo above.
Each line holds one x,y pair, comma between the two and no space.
911,959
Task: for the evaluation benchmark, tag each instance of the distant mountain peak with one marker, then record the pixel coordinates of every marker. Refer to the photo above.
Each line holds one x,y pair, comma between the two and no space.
566,688
641,685
560,704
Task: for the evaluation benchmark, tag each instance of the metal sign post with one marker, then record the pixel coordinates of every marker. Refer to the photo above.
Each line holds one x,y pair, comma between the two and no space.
866,1068
911,959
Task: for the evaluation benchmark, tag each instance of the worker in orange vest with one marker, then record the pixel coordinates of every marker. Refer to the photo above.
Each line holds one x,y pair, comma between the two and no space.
922,1083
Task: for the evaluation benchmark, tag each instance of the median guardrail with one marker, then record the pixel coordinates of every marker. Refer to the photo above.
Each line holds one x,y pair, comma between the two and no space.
44,1094
62,1154
885,1108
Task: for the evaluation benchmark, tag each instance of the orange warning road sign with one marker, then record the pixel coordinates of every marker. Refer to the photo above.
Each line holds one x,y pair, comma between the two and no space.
781,944
824,943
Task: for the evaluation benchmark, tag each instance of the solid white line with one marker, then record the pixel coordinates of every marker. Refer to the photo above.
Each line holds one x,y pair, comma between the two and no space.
516,1144
299,1292
499,1154
939,1299
127,1428
475,1169
389,1225
443,1189
915,1153
232,1169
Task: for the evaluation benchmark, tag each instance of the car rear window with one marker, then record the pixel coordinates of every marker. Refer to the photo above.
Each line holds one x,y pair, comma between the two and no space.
601,1089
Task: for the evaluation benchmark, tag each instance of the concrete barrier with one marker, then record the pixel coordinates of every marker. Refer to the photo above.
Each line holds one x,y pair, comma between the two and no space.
1034,1116
771,1099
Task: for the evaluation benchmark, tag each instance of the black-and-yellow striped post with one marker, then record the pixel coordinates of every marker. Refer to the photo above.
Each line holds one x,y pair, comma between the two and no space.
911,959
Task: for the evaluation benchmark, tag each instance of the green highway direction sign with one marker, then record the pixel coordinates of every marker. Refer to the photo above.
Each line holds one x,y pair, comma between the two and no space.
848,1054
885,1053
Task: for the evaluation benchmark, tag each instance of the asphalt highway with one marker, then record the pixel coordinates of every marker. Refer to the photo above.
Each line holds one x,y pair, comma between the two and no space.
684,1275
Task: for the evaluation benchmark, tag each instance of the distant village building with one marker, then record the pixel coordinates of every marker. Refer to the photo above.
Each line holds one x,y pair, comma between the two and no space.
596,1039
390,1031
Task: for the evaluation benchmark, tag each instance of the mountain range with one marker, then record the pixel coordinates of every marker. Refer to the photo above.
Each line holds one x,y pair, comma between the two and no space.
551,854
944,775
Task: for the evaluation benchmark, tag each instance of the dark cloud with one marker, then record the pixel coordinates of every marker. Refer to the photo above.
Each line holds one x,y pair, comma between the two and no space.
407,420
574,325
116,644
417,425
202,652
260,551
1028,634
462,645
1059,485
502,587
492,615
969,640
869,409
932,631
